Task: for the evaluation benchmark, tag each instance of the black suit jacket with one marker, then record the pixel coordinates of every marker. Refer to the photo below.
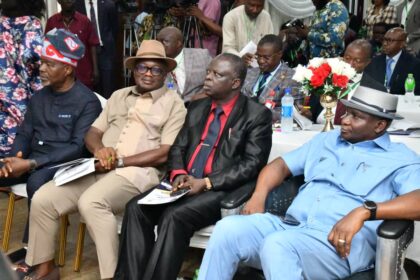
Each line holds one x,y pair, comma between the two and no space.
406,64
243,148
107,19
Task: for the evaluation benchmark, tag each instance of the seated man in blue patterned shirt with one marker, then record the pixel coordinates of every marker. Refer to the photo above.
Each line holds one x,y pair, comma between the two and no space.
353,179
327,29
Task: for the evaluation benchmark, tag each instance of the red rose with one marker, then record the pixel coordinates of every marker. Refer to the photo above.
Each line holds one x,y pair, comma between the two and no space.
317,80
324,69
340,80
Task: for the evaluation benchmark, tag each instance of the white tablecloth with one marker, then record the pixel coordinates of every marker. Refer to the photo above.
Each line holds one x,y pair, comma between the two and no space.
286,142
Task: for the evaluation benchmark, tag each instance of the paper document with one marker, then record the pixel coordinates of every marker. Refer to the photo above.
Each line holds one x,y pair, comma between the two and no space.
73,170
251,47
403,127
303,122
162,194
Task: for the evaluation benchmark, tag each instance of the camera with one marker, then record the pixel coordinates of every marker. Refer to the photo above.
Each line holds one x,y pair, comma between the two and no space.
185,3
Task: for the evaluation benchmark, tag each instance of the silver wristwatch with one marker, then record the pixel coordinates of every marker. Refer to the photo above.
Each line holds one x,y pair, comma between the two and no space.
120,163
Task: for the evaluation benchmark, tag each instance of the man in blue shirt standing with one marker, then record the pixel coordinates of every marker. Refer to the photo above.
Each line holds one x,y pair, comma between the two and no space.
353,179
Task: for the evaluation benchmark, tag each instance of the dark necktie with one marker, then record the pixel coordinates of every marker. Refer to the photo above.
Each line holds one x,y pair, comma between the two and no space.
388,73
197,168
261,83
93,17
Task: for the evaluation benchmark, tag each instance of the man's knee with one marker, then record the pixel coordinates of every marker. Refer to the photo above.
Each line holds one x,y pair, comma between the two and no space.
42,200
86,205
228,228
277,244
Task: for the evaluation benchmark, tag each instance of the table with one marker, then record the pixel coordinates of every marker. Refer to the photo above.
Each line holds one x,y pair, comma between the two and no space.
286,142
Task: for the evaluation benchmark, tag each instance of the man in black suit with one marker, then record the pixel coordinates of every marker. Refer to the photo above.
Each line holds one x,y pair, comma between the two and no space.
392,68
224,143
106,24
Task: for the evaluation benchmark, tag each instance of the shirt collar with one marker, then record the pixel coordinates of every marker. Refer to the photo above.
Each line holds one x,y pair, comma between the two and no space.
382,141
75,16
179,57
227,107
395,57
155,94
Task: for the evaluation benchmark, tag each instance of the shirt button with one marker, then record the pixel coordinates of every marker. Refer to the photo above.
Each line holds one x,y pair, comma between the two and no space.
342,164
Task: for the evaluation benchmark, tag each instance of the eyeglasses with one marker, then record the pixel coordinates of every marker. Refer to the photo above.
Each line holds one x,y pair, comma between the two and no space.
390,40
264,57
155,70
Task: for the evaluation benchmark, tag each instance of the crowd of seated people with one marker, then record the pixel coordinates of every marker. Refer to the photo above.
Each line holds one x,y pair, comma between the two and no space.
197,117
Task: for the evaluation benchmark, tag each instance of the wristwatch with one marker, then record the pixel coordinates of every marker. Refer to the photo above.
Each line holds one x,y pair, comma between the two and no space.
32,165
208,184
371,206
120,163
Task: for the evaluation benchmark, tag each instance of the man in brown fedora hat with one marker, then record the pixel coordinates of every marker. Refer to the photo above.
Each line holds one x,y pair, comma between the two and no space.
130,139
353,179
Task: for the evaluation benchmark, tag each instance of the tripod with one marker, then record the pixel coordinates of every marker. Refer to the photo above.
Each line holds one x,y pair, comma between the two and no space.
191,31
129,45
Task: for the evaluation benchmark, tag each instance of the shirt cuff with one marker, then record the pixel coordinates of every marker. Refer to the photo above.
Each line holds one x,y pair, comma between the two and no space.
177,172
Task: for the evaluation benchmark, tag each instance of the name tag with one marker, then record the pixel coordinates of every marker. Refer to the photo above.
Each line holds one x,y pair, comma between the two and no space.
64,116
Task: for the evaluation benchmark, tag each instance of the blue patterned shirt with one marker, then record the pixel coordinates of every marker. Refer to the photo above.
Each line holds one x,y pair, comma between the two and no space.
328,27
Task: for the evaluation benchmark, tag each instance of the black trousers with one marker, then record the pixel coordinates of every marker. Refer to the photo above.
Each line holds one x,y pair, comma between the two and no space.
34,181
140,256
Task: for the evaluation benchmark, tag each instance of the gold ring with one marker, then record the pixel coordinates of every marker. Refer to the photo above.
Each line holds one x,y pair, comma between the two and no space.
341,241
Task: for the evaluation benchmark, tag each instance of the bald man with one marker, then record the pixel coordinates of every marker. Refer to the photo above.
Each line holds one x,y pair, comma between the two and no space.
188,77
393,66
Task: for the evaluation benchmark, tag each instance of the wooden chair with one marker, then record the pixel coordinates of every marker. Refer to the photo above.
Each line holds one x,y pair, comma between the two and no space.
15,193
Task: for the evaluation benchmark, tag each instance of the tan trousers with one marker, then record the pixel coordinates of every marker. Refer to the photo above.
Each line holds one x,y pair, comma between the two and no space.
98,197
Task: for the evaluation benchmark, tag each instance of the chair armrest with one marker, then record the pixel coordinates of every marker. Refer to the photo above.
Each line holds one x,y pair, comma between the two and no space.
233,202
392,229
394,236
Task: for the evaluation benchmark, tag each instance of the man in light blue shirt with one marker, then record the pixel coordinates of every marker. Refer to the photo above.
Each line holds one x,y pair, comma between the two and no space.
353,179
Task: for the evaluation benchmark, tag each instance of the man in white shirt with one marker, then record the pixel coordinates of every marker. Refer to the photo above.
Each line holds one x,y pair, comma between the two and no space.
248,22
188,77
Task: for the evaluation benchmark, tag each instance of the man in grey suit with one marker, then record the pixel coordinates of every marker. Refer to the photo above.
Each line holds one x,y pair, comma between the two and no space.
409,16
188,77
272,73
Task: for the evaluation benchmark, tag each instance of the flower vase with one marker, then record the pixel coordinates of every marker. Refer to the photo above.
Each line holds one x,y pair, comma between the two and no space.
328,101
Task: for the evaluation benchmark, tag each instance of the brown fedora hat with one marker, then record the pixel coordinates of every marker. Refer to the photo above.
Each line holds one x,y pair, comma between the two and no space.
150,49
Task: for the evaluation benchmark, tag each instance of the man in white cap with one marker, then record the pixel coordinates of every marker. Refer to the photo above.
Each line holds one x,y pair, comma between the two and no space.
353,179
131,139
56,119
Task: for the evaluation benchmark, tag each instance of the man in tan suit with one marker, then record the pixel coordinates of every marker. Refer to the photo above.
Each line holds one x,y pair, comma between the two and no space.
131,139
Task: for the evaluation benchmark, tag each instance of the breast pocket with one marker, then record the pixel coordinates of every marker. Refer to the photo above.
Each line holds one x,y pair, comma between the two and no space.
64,126
363,179
234,144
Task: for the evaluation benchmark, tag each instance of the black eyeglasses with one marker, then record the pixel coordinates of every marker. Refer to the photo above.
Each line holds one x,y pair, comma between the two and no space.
265,57
155,70
390,40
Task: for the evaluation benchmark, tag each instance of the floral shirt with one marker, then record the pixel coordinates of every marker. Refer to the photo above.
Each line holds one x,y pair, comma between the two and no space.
20,51
328,27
